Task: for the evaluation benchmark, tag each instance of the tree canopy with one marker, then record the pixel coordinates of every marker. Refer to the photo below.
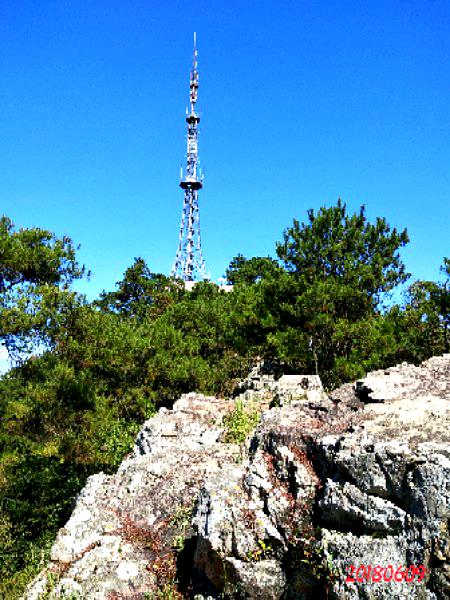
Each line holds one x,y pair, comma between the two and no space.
346,248
141,292
36,271
243,270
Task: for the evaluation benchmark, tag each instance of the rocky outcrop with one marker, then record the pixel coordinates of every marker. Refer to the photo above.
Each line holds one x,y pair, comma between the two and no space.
126,531
324,488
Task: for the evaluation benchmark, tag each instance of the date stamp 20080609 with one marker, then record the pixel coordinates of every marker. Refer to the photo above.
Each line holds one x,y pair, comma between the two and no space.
377,573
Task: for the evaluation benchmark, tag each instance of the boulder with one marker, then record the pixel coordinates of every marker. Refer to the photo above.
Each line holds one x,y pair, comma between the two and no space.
341,497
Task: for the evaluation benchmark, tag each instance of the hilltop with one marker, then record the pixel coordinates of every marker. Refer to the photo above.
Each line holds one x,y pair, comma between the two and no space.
88,374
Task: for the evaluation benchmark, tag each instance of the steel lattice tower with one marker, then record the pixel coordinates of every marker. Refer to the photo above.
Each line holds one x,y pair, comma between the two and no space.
189,264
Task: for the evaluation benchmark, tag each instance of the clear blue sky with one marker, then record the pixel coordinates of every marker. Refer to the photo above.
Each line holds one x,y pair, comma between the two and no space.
302,102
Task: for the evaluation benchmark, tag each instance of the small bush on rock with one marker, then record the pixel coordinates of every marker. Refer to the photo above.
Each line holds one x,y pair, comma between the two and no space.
241,421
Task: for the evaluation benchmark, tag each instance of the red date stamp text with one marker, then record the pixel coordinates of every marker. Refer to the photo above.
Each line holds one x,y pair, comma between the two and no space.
378,574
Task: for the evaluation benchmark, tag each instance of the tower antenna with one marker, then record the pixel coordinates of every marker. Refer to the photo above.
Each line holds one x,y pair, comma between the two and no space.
189,264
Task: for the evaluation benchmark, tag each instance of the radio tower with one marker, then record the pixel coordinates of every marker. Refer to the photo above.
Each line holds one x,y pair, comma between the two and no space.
189,264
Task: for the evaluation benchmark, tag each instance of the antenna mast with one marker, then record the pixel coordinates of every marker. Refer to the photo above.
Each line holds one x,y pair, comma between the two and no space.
189,264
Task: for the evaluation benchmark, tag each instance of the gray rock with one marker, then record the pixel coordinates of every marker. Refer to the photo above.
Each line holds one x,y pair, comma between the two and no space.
121,534
346,507
326,483
264,580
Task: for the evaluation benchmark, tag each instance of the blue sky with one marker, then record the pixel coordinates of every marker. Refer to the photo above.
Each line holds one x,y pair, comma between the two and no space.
302,102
